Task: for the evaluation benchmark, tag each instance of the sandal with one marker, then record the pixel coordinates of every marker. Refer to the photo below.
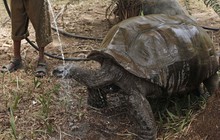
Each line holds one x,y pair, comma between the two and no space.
14,65
41,70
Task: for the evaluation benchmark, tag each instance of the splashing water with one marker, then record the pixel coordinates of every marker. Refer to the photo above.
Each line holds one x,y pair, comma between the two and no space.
56,27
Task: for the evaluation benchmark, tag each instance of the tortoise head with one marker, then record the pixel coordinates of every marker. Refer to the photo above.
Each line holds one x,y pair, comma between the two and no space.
62,71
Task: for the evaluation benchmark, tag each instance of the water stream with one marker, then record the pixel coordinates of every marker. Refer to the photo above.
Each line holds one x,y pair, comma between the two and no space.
56,27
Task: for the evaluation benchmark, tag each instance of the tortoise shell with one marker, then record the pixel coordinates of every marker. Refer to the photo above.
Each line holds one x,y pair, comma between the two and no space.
171,51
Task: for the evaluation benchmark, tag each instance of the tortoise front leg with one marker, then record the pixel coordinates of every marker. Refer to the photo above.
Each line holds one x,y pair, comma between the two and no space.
98,97
142,112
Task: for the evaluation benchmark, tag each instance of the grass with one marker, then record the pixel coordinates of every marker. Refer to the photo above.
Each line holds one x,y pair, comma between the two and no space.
27,110
12,123
175,114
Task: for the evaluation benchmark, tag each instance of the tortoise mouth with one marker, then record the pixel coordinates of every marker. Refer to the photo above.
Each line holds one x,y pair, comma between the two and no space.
58,73
61,71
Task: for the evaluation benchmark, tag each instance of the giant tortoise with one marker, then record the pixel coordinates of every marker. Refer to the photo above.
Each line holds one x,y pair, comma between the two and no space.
148,57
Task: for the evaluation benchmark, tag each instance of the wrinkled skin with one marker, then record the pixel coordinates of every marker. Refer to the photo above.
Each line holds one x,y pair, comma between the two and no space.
148,57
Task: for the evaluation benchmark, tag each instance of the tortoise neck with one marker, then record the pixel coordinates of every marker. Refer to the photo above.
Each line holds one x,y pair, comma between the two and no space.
106,75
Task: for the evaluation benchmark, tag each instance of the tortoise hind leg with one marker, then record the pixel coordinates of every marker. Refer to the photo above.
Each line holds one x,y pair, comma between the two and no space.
212,83
141,111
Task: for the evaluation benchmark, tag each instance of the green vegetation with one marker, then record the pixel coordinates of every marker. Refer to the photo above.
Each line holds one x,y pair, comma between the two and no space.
175,114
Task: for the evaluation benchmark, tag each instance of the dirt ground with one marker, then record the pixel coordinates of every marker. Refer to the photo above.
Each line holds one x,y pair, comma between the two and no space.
51,109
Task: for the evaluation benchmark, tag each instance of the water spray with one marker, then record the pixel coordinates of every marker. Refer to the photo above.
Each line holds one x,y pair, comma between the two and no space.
56,27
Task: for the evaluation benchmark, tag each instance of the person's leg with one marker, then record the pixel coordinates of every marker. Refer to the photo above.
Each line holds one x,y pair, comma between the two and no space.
41,69
41,55
17,49
40,20
19,22
16,62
